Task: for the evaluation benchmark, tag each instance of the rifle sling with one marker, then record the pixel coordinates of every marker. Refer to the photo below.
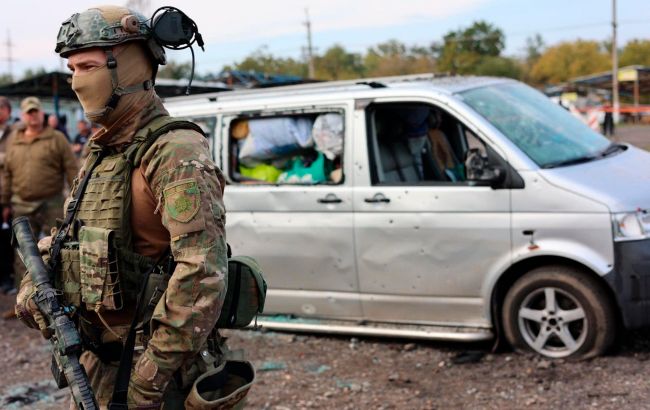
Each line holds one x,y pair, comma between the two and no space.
71,211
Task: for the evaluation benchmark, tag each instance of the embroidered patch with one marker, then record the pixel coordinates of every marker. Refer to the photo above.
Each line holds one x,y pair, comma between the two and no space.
182,199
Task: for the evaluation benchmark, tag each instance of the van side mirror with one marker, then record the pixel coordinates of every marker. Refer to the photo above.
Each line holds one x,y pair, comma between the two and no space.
481,172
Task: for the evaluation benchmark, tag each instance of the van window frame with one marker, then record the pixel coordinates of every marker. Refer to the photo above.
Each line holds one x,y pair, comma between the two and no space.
372,145
226,140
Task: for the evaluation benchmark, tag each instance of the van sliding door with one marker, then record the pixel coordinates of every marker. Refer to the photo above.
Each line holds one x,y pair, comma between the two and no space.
297,225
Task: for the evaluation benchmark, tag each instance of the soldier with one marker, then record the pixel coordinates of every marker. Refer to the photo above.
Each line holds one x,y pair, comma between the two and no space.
153,189
6,252
38,162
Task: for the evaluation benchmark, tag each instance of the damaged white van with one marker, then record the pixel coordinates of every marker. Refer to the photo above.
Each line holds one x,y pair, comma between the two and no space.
437,208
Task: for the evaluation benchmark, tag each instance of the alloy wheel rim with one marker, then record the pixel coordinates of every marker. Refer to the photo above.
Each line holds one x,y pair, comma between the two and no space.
552,322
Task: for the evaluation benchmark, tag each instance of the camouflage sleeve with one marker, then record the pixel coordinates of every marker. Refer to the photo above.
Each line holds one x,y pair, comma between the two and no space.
189,188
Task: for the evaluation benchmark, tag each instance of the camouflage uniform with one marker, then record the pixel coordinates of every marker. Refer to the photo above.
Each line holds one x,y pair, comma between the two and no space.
178,189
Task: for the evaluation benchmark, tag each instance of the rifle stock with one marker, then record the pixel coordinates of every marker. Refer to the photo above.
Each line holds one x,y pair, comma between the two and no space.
65,340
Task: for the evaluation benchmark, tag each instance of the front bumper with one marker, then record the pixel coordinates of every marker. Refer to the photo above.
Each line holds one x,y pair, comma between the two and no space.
630,281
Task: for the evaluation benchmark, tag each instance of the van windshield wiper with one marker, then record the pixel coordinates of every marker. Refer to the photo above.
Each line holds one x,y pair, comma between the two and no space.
612,148
572,161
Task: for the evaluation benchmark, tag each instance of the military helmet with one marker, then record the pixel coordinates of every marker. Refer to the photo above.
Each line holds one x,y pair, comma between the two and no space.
106,26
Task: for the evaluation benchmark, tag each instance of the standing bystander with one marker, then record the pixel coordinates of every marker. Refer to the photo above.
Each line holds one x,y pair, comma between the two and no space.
6,253
38,160
81,139
55,123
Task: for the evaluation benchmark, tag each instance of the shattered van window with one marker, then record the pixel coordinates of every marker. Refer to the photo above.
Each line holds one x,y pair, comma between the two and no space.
544,131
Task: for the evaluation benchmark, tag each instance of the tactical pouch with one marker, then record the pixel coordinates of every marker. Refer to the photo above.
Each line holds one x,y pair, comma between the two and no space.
245,295
222,388
154,289
100,287
69,279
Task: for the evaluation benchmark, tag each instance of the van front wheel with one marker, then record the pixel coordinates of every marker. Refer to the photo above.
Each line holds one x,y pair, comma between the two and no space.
559,312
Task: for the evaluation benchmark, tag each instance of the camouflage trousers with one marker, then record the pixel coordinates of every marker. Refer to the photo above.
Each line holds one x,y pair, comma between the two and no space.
102,374
102,379
42,218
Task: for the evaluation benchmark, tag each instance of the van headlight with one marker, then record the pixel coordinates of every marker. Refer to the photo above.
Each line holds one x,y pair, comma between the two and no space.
631,226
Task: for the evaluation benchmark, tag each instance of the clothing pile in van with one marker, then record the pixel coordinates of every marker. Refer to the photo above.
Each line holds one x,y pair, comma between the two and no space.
290,150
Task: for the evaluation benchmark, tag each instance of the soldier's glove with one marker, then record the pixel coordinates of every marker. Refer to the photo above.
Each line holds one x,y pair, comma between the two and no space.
145,387
28,312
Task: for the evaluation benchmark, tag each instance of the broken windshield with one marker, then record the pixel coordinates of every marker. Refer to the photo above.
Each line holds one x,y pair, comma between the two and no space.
544,131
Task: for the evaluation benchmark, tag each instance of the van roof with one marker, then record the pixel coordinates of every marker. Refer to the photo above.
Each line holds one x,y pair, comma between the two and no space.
436,82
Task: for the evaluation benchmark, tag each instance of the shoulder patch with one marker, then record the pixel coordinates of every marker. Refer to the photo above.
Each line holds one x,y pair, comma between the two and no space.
182,199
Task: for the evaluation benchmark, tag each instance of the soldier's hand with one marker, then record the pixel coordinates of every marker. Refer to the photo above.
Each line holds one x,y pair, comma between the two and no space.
28,312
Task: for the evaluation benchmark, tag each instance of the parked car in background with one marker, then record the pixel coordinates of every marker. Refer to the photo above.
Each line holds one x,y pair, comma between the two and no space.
457,208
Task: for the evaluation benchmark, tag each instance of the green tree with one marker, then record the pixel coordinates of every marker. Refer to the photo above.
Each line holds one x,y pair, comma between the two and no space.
31,73
6,79
635,52
338,64
568,60
463,49
534,49
499,67
262,61
395,58
175,70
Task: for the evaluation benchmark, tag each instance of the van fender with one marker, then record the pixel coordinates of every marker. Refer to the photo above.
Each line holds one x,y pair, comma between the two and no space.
547,250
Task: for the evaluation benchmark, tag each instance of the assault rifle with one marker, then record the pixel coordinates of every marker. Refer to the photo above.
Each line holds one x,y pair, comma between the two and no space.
65,339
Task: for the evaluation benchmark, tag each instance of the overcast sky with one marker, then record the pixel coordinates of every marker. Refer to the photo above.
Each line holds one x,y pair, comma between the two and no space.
233,30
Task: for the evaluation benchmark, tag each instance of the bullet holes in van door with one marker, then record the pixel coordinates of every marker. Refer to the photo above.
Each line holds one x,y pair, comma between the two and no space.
413,143
304,148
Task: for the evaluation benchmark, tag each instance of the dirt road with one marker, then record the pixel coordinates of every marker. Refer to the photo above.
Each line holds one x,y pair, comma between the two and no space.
323,372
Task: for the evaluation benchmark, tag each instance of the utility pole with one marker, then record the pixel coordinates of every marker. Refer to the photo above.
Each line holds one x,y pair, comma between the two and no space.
310,51
9,59
615,102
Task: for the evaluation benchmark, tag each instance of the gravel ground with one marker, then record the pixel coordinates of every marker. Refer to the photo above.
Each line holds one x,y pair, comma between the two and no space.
638,135
326,372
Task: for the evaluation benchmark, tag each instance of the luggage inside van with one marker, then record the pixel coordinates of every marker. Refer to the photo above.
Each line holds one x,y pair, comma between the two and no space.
290,149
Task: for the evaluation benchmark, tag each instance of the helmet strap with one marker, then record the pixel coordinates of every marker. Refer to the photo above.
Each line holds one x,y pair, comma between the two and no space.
119,91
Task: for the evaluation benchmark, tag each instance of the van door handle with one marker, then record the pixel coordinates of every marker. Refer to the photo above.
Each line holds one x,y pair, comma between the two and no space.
377,198
330,199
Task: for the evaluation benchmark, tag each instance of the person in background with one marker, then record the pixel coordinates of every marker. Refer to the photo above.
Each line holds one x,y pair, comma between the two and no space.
54,123
80,141
6,252
37,163
608,123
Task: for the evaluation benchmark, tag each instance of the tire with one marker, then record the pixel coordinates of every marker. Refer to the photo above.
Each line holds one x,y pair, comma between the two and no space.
559,312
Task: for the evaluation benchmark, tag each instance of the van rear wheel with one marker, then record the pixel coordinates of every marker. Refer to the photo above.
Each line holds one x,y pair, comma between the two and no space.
559,312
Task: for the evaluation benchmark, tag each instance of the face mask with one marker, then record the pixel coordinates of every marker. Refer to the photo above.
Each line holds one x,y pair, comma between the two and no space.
93,90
